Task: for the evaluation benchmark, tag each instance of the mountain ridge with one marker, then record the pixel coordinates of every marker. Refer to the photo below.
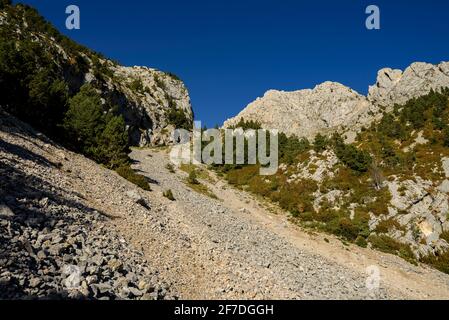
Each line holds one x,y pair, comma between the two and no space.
148,99
333,107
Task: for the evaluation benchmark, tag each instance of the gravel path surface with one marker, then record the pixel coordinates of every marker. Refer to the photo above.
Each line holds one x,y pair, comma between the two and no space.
245,259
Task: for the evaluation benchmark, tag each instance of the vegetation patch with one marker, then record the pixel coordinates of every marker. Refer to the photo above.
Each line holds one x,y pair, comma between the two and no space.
439,261
169,195
129,174
387,244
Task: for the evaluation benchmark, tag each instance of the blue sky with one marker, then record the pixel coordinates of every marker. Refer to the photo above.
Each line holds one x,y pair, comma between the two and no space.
230,52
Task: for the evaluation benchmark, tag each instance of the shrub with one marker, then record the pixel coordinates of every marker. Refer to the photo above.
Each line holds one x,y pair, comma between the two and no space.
193,178
246,125
137,86
113,143
4,3
439,261
389,245
339,223
385,226
297,197
445,236
291,147
380,205
169,195
173,76
320,143
179,119
391,128
242,176
84,119
361,242
129,174
170,168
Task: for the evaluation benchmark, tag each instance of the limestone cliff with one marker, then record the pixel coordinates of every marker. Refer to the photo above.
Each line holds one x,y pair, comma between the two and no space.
331,106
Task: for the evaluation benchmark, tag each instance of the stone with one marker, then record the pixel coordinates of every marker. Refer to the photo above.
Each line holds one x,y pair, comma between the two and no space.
104,287
115,264
444,186
137,198
41,255
136,292
5,211
35,282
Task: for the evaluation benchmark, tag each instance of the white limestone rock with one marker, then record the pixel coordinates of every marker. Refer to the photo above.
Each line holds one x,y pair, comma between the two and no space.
397,87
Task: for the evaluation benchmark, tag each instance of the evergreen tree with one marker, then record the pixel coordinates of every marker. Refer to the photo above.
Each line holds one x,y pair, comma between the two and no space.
84,119
4,3
113,143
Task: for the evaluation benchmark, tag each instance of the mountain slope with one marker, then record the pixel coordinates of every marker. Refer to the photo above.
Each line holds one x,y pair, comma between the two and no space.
41,69
60,211
57,237
387,190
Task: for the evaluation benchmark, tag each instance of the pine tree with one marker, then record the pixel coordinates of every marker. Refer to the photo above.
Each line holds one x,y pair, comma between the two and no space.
112,145
4,3
83,121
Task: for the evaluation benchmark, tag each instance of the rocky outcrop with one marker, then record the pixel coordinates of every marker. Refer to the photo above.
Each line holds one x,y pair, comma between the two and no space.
397,87
331,106
145,96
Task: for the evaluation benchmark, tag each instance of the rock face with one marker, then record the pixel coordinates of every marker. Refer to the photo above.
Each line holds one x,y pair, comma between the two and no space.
331,106
326,108
145,107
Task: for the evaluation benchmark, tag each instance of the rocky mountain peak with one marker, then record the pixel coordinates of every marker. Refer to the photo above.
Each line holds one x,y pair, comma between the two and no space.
331,106
397,87
306,112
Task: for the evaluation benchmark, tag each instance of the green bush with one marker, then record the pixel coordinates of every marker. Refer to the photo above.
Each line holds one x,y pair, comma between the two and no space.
349,155
179,119
439,261
170,168
361,242
169,195
112,146
99,135
291,147
193,177
389,245
320,143
137,86
339,223
385,226
246,125
392,128
129,174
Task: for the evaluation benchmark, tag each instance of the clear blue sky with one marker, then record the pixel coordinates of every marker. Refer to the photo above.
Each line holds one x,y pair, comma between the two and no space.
229,52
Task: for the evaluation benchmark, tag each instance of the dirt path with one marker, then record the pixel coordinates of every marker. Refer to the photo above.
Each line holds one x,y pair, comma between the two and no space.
415,282
235,247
